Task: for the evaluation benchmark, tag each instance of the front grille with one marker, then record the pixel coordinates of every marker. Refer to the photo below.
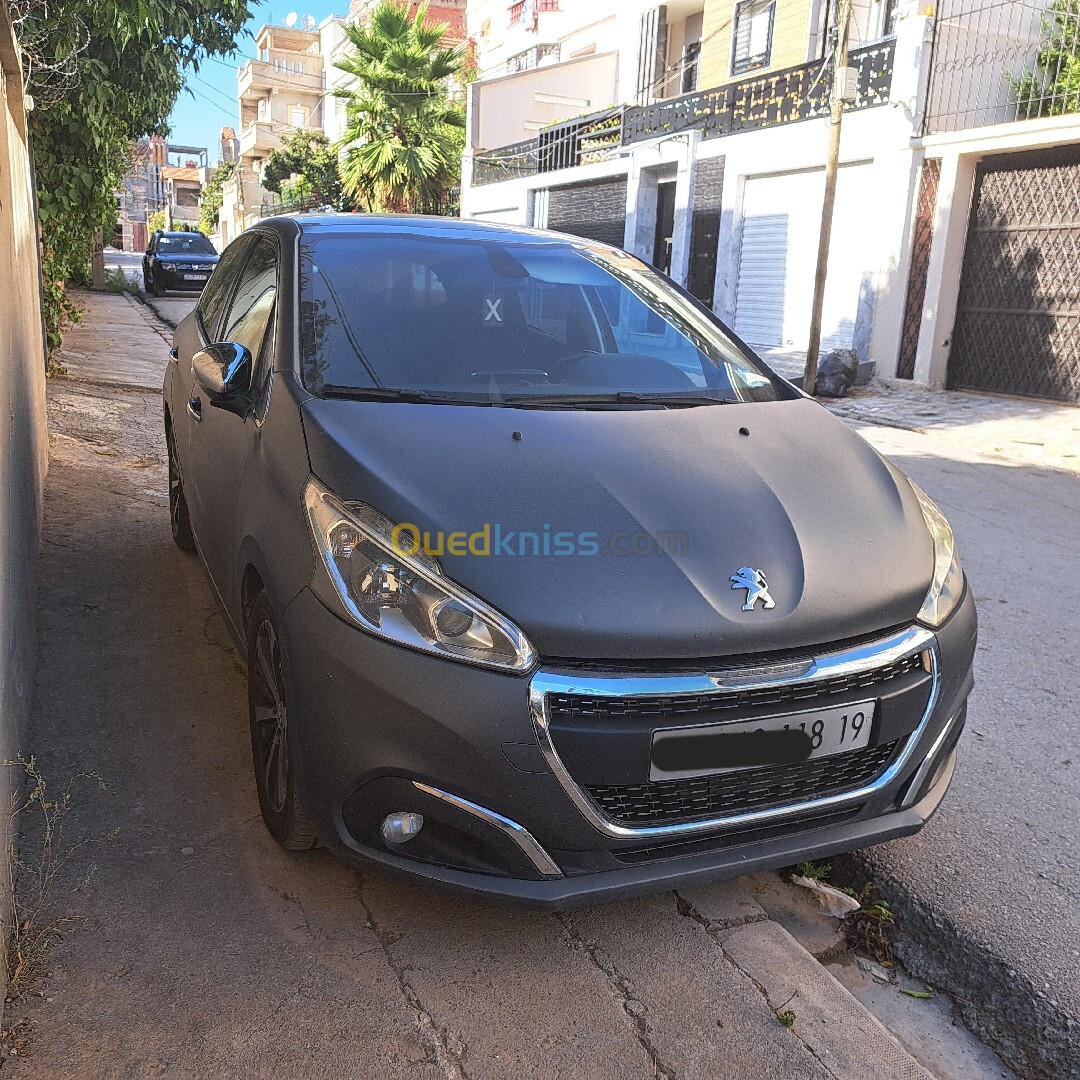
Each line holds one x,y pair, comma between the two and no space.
669,802
684,705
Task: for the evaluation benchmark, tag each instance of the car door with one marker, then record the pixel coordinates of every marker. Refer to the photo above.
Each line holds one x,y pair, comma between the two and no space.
221,443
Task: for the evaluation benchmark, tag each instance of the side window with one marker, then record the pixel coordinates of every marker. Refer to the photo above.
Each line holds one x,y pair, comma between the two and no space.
216,294
252,311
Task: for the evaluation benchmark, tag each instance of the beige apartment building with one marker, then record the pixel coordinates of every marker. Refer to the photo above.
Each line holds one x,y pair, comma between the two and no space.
280,92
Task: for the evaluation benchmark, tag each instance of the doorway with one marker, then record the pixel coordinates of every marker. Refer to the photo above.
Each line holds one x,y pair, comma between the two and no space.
665,226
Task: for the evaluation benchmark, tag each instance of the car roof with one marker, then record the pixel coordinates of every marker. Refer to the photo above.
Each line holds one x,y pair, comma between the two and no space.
406,224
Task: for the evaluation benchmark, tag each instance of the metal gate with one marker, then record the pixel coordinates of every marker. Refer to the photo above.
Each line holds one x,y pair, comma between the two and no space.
1018,319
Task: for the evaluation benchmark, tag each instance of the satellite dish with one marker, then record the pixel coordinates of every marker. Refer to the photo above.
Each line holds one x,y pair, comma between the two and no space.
309,22
290,19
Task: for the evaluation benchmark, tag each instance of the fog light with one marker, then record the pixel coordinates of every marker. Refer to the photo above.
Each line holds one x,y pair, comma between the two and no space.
397,828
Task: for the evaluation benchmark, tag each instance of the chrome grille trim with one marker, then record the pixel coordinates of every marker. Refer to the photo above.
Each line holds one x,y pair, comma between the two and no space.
866,657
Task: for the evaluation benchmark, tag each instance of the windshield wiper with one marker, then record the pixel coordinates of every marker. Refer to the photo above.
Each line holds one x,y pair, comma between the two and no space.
637,397
623,397
386,393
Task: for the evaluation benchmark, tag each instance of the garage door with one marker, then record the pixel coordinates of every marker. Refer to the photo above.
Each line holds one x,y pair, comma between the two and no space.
781,225
596,210
1018,319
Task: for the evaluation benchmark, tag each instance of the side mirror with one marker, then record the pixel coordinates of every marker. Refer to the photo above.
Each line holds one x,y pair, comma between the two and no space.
224,372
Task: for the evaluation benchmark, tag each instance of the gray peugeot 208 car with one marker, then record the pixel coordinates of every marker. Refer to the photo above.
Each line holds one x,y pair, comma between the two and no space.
549,588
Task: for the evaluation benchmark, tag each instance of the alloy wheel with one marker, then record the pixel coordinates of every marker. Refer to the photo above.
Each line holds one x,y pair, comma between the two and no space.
271,717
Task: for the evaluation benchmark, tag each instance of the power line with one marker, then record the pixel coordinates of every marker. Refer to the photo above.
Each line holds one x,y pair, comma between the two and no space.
220,93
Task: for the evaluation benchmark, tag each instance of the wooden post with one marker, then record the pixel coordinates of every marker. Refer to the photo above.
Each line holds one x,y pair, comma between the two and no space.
832,165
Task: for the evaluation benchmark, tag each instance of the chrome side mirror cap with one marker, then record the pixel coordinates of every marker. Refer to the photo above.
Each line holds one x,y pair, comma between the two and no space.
224,371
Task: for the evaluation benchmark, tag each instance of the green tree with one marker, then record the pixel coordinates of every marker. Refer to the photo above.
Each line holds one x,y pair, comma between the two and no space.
1052,86
404,134
305,170
213,195
103,73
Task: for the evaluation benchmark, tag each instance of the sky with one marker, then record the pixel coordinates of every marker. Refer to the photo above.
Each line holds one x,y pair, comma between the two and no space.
210,102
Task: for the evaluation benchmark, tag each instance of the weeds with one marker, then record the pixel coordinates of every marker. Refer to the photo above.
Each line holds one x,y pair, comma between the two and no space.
819,871
868,928
783,1014
116,281
36,862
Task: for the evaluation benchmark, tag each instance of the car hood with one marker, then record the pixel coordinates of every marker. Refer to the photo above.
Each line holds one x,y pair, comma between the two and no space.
782,487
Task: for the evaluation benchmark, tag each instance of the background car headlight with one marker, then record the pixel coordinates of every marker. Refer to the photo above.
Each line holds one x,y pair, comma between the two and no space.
403,597
947,585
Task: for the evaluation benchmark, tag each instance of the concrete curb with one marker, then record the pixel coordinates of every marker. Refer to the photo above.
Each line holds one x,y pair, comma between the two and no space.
1031,1033
835,1028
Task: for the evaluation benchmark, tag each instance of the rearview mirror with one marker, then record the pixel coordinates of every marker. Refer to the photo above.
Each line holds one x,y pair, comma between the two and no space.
224,372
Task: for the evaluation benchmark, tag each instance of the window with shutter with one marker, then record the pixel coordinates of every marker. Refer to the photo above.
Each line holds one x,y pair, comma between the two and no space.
752,35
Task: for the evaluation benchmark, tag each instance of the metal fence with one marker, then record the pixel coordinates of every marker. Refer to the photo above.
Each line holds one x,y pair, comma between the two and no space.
561,146
505,163
998,61
779,97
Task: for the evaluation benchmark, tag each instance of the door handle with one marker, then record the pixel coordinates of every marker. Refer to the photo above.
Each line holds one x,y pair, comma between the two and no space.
194,408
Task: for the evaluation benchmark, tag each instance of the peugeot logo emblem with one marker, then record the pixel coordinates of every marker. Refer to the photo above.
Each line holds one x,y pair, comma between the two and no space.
757,588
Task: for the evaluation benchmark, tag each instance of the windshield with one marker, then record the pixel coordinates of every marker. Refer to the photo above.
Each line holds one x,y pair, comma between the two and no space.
546,324
185,244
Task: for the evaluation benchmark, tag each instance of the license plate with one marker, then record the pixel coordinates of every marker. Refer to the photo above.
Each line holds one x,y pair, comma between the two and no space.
195,277
773,740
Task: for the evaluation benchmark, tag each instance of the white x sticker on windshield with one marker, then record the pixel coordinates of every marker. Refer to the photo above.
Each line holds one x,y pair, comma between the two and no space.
493,310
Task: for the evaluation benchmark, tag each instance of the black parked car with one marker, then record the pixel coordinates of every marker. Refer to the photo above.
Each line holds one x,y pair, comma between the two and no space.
548,587
182,261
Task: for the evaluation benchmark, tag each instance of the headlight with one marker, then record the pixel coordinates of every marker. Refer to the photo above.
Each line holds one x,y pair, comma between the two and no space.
404,597
947,586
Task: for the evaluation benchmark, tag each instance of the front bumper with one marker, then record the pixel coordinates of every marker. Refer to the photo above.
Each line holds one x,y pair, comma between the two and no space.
171,277
379,729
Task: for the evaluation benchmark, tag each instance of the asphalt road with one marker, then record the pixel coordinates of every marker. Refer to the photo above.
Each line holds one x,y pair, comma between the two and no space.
994,875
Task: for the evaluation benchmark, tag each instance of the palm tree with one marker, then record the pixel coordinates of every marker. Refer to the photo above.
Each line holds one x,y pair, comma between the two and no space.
404,133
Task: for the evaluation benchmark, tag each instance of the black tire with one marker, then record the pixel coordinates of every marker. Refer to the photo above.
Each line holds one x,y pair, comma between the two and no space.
275,777
179,521
159,289
145,282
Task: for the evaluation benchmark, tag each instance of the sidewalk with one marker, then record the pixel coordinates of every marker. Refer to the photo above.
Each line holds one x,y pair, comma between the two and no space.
1039,433
205,950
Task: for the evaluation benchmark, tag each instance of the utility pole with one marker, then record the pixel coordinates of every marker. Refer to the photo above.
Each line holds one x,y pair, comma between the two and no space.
832,165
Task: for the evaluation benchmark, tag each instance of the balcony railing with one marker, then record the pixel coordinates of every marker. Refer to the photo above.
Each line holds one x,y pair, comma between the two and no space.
561,146
258,75
779,97
1002,61
262,136
506,163
533,57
